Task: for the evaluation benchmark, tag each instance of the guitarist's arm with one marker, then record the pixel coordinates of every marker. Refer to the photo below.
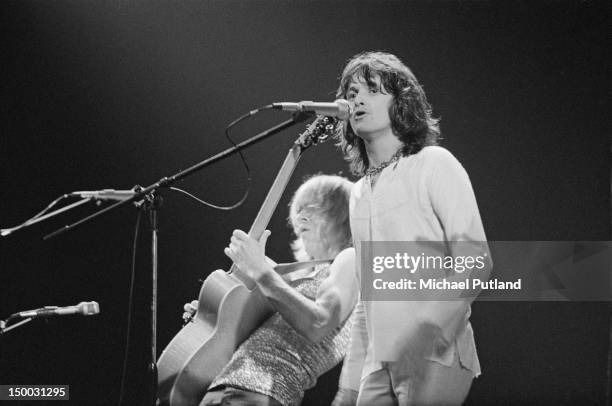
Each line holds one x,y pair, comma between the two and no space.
336,295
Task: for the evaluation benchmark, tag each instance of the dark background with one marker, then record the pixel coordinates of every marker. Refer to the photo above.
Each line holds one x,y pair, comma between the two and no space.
110,94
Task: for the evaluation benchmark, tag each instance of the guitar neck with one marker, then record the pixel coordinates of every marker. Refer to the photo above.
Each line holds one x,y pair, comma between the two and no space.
269,205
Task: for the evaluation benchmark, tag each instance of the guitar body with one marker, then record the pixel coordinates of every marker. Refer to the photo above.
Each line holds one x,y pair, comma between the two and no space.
228,312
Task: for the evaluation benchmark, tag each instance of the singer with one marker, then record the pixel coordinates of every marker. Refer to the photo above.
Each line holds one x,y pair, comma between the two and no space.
404,352
309,333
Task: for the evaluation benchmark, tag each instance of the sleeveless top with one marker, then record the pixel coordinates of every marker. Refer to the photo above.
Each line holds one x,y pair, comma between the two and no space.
279,362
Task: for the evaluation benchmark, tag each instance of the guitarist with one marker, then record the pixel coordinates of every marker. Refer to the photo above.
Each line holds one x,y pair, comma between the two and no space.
309,334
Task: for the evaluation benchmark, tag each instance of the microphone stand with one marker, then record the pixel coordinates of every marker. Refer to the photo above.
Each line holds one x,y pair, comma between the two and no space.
4,329
153,207
29,223
152,204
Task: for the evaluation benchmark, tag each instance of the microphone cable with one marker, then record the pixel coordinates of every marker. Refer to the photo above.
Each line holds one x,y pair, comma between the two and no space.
242,158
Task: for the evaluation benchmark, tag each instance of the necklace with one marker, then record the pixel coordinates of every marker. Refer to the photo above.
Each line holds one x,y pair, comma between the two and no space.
371,172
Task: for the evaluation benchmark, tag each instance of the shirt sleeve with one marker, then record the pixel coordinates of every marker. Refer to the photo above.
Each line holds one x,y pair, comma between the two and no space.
452,198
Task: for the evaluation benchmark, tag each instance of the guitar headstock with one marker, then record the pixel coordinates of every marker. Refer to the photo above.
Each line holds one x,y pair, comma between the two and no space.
318,131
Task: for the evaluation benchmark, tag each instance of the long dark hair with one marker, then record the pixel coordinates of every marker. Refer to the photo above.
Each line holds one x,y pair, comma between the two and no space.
411,115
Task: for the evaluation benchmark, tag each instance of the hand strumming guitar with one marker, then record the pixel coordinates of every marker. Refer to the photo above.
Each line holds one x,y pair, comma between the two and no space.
190,309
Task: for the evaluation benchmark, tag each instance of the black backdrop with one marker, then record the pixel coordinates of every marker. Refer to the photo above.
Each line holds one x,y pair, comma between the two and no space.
110,94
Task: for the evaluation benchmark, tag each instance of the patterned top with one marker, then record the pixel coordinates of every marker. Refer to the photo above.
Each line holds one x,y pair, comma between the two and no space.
279,362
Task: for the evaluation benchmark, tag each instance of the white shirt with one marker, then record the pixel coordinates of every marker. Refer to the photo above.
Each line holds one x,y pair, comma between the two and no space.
423,197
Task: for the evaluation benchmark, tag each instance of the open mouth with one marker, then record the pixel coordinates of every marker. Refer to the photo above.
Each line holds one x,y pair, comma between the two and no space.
359,114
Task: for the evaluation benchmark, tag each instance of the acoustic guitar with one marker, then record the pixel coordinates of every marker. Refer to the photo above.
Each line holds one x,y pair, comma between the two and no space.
230,305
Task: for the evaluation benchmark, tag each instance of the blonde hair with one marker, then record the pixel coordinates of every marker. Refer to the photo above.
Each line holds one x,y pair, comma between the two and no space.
326,196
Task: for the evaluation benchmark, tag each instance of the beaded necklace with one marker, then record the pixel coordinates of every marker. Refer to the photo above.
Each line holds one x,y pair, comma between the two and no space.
371,172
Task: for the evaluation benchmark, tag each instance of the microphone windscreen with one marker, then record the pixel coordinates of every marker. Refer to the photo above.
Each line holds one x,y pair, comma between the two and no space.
89,308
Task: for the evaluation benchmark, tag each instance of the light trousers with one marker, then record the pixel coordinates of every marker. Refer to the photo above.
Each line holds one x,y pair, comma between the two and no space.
433,384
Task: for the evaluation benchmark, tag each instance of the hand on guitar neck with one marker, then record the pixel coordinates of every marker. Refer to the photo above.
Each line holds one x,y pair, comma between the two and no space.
249,254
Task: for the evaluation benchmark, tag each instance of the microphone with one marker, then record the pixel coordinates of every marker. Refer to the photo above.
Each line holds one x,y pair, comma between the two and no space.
105,194
339,108
84,308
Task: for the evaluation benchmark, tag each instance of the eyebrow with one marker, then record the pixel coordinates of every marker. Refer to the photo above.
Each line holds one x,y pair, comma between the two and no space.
375,80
